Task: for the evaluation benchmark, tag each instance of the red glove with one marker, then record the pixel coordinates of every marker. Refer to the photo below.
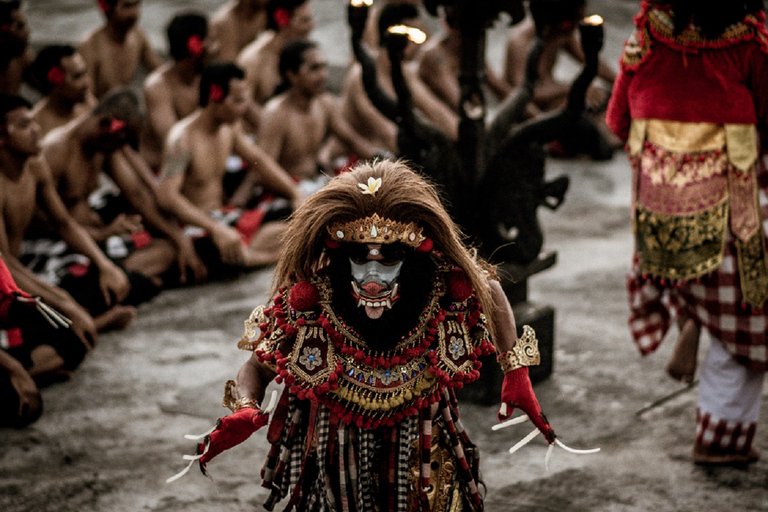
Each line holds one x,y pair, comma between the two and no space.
516,391
231,431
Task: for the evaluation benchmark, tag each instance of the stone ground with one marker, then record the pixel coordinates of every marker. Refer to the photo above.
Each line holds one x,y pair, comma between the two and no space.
110,437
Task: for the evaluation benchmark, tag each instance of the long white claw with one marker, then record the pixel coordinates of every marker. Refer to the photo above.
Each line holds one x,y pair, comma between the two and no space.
547,456
510,422
180,473
272,403
572,450
503,409
194,437
527,439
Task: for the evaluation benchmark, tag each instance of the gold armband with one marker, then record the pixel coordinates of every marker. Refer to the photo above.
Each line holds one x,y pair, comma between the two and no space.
235,404
524,353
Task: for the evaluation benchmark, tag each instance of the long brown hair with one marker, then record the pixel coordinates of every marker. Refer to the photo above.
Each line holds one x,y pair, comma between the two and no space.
404,196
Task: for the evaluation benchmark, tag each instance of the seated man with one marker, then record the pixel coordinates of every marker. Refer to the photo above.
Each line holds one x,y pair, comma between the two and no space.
296,122
191,184
286,20
26,185
115,51
236,24
15,53
98,141
439,64
358,110
60,74
557,21
171,91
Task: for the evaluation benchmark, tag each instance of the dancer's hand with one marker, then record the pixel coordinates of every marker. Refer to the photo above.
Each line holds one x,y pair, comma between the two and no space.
231,431
517,391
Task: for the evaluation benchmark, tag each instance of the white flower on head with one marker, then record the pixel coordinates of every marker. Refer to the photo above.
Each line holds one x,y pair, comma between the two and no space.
373,186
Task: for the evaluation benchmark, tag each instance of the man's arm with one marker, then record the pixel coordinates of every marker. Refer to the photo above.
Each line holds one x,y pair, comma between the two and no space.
438,112
434,73
160,112
253,378
383,128
272,175
149,58
344,131
112,279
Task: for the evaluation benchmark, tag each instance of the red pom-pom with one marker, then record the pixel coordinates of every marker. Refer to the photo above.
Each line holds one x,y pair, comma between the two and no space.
303,296
332,244
459,285
425,246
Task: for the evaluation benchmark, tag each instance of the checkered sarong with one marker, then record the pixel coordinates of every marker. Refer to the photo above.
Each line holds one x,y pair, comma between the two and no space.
731,436
715,301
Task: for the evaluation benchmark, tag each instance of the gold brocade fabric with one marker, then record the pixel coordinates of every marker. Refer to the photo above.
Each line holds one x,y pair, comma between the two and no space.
692,182
445,492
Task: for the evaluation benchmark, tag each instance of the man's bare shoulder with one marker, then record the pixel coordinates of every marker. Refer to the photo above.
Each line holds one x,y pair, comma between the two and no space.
158,81
38,167
91,39
56,146
253,54
223,17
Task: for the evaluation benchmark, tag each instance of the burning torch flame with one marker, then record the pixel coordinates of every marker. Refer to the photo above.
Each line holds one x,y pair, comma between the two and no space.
414,35
360,3
593,20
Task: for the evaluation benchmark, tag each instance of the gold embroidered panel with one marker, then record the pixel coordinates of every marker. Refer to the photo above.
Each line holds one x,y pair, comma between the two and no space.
681,246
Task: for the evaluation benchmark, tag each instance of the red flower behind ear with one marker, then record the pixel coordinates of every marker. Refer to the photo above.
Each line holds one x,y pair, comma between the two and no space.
195,45
105,6
215,94
55,76
116,125
282,17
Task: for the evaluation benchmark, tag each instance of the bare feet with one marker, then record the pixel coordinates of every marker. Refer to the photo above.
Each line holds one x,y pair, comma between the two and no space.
682,364
117,318
47,366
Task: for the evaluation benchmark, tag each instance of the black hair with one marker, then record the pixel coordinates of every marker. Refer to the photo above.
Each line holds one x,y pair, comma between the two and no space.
7,8
274,5
46,59
394,14
218,74
180,29
552,12
9,103
291,59
120,104
711,16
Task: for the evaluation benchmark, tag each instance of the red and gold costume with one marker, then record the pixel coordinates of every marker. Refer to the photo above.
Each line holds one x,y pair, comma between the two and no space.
379,317
691,109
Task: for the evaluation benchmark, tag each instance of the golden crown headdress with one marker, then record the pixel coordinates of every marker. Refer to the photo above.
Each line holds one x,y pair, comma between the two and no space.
377,230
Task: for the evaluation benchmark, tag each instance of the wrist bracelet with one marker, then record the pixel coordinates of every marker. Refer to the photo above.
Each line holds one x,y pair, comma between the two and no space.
524,353
235,404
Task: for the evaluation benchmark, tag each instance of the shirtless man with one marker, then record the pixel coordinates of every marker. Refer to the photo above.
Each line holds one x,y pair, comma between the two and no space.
559,20
286,20
236,23
439,64
193,169
358,110
60,74
80,150
26,185
172,90
115,51
371,33
296,122
15,53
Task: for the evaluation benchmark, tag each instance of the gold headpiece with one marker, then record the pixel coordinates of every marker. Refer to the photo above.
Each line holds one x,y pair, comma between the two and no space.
376,230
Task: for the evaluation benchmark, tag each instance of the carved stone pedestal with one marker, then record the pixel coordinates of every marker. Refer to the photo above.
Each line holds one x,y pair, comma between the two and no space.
514,280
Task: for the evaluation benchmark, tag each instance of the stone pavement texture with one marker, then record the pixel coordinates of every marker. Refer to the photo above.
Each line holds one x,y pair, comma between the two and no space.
109,438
